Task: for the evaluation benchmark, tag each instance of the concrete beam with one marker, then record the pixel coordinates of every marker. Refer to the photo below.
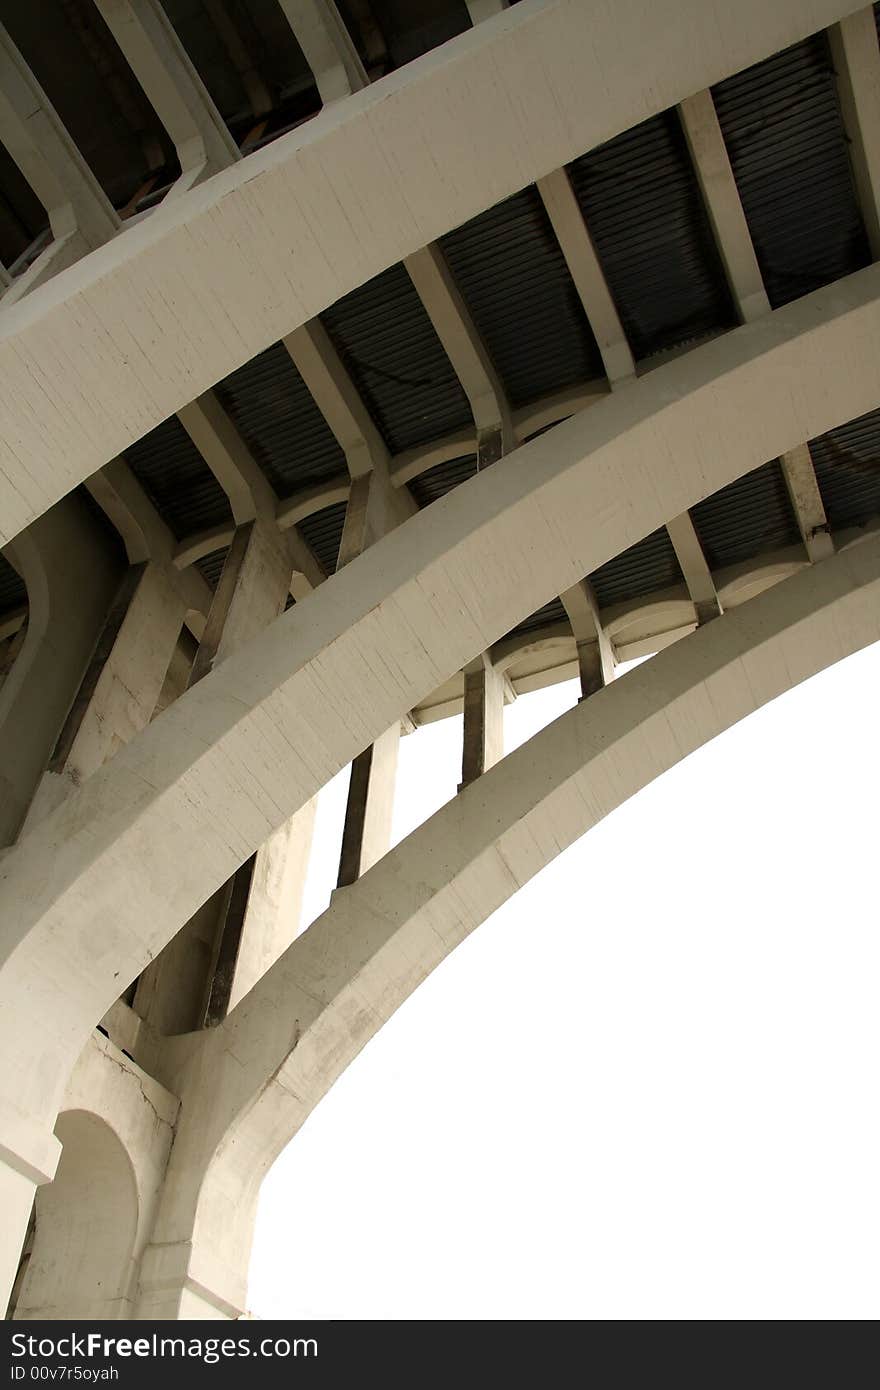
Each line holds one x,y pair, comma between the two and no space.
577,247
236,263
244,926
483,741
856,56
243,480
337,398
229,459
71,578
329,51
240,55
366,834
173,87
312,499
485,9
594,649
145,535
248,1087
463,346
80,215
206,783
697,575
721,196
122,684
806,501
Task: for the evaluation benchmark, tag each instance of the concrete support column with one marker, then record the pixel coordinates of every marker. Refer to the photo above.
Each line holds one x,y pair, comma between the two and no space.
327,46
28,1158
116,1126
484,9
580,255
697,575
121,686
366,835
71,577
483,743
856,55
80,215
225,947
721,196
594,650
175,90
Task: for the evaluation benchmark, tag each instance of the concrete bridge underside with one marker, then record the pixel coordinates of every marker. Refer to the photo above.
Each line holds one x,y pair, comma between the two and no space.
166,726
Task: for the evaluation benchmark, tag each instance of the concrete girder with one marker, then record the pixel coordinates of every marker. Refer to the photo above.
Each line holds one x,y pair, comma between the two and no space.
594,650
327,46
247,1088
281,240
223,768
70,578
721,196
856,55
94,1220
693,565
80,215
462,344
580,255
349,421
173,87
242,479
145,535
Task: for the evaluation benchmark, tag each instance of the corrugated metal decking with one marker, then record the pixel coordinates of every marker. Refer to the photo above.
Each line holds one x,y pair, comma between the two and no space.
641,201
389,346
428,487
322,532
552,612
847,462
753,514
279,421
516,284
788,148
210,566
649,565
177,480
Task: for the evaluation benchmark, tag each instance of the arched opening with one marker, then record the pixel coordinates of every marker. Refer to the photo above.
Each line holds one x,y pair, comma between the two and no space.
86,1221
657,1109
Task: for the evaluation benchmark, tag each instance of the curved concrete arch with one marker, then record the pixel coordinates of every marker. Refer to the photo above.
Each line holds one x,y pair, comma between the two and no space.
217,274
247,1086
70,577
116,1127
95,891
81,1265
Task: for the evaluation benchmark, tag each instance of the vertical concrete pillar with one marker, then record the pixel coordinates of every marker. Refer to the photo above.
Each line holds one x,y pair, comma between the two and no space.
483,743
121,686
242,929
28,1158
594,650
366,835
71,576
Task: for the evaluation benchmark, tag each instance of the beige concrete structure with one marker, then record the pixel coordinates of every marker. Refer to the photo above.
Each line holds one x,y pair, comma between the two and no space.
283,388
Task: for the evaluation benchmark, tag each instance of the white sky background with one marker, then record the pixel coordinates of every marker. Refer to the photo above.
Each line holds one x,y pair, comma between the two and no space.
646,1088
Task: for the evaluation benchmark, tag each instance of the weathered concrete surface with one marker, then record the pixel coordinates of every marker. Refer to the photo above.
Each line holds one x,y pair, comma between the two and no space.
94,1220
105,881
248,1086
129,335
